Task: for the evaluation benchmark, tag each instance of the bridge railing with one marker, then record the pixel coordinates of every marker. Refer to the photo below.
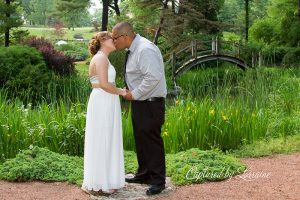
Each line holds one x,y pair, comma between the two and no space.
199,48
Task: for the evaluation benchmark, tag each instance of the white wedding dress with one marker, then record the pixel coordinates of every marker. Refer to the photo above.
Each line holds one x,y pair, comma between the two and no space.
103,147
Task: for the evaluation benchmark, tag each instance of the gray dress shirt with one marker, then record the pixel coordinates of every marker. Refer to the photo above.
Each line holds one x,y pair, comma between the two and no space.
145,73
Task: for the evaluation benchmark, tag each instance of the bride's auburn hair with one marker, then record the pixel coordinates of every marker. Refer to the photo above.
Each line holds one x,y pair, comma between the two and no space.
95,42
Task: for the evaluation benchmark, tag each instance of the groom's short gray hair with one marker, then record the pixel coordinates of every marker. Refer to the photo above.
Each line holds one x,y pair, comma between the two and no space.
124,28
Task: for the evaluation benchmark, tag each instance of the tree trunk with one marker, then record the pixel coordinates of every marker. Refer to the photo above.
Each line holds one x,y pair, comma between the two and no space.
180,7
246,19
7,29
157,33
173,6
117,9
105,4
45,20
299,9
166,4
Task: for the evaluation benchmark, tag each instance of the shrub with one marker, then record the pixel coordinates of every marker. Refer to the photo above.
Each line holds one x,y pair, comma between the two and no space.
19,35
23,71
273,54
38,42
184,167
292,58
263,30
117,59
42,164
55,60
58,30
15,58
31,82
77,51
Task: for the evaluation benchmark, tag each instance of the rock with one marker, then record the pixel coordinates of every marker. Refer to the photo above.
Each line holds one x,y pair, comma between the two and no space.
61,42
175,91
134,191
78,36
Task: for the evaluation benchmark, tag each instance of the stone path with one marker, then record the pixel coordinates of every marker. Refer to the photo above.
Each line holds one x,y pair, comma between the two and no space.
283,182
133,191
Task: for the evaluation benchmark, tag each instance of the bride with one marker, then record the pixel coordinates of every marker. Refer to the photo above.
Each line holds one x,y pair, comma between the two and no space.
103,148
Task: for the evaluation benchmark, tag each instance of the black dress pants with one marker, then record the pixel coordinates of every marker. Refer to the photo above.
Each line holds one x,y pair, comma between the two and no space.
147,119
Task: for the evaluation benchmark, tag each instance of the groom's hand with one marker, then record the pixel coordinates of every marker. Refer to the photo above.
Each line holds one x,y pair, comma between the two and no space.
128,96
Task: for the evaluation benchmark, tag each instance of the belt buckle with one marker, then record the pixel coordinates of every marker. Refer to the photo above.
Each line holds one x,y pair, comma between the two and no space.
151,99
155,99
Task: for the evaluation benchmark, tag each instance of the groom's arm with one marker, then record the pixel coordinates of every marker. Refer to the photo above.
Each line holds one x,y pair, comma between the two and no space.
150,63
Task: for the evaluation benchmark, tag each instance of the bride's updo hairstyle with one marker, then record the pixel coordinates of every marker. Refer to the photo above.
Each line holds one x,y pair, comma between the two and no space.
95,42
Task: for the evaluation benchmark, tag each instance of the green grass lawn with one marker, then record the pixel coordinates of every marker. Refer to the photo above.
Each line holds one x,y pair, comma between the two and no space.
48,33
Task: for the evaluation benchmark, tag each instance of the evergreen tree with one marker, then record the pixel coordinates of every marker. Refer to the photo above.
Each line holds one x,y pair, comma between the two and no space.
9,18
177,20
71,11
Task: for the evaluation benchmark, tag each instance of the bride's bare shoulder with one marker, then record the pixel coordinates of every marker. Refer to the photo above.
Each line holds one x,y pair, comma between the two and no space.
99,58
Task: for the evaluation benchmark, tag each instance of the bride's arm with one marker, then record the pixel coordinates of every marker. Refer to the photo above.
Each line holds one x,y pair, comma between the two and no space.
102,72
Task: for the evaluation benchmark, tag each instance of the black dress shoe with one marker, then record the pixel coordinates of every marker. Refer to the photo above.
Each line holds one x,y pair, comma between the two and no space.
155,189
137,180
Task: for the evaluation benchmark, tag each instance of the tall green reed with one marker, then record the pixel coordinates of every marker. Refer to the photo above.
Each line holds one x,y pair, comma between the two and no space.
220,108
210,124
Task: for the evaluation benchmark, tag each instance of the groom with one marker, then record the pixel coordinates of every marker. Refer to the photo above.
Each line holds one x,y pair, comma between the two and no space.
144,78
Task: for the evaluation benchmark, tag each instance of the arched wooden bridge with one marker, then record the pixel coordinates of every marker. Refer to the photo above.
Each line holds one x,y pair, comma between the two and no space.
199,52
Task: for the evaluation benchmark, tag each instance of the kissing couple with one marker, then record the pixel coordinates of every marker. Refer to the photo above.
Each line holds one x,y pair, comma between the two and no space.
145,88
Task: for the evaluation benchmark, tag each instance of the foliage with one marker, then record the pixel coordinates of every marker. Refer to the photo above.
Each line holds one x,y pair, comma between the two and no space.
71,12
274,54
231,37
23,72
9,22
292,58
39,12
55,60
196,166
263,31
269,146
183,168
42,164
281,26
30,82
210,124
233,14
49,12
18,36
9,17
77,51
117,59
14,58
58,30
59,127
179,21
225,109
